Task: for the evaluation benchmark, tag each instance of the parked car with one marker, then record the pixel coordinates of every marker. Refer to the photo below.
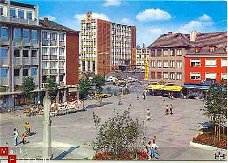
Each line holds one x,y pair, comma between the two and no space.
104,95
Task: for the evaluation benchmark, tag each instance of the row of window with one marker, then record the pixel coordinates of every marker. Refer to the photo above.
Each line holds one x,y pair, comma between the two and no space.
208,63
17,72
166,75
17,52
53,51
166,64
197,76
46,35
17,13
53,65
160,52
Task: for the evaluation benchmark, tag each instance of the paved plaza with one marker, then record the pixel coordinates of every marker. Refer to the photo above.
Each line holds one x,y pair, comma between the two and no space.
72,134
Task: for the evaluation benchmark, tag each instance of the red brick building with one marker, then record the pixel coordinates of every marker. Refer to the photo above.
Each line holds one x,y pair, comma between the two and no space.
207,58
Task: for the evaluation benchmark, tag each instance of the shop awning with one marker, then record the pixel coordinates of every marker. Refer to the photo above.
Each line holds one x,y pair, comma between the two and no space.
157,86
172,88
197,86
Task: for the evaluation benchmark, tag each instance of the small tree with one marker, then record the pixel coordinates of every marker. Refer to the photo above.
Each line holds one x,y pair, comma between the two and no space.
98,82
51,87
118,135
84,88
28,86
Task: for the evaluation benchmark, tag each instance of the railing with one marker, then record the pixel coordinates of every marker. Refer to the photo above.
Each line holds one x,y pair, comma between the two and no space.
17,61
45,42
61,71
45,71
35,79
62,57
26,42
34,61
61,43
53,43
4,41
53,71
35,43
53,57
18,81
18,20
4,81
17,41
25,61
4,61
45,57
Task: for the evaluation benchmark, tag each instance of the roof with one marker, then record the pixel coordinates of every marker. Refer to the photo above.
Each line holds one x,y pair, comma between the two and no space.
47,24
22,4
171,40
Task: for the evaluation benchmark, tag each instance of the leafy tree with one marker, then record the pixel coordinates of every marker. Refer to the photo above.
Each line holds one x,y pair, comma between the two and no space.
216,105
118,135
98,82
84,88
51,87
28,86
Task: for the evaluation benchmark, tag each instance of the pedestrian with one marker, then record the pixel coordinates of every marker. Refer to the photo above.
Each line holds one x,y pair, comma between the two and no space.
148,150
148,115
15,137
154,139
171,109
27,128
154,148
23,138
129,107
167,110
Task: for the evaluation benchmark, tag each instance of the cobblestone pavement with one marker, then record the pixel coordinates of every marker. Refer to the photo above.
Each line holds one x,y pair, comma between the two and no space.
72,134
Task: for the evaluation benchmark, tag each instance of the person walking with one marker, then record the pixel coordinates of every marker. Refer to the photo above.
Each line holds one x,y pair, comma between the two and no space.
148,115
27,128
154,148
15,137
167,110
23,136
148,150
171,109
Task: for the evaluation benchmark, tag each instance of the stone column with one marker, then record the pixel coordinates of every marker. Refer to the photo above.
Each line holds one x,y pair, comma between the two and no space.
47,152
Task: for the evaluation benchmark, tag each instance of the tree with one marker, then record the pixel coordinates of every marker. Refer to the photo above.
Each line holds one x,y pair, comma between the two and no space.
216,106
98,82
84,88
118,135
28,86
51,87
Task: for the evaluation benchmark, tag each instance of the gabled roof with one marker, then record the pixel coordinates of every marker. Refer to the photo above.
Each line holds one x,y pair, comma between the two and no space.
171,40
22,4
51,25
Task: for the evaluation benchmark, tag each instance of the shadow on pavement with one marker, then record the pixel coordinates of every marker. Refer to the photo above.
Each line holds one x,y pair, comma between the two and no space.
65,153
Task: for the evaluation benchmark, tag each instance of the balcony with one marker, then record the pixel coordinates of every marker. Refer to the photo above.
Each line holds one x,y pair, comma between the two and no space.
4,41
45,57
53,43
4,81
26,42
53,57
45,42
17,61
35,44
62,71
45,71
18,20
4,61
4,19
17,42
61,43
34,61
25,61
53,71
17,80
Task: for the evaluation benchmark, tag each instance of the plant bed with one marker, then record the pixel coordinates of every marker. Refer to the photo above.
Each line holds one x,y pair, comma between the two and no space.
211,140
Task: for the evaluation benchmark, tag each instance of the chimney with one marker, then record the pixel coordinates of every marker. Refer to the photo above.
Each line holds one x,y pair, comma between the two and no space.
169,33
45,18
193,35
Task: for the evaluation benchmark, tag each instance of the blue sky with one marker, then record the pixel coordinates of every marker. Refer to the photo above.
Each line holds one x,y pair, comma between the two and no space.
151,18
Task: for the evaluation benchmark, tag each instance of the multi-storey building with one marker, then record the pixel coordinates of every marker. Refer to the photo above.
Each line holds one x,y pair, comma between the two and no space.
175,58
105,46
142,55
19,46
167,58
207,58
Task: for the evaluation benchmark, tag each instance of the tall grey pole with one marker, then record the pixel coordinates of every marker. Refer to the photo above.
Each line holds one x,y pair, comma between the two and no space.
47,152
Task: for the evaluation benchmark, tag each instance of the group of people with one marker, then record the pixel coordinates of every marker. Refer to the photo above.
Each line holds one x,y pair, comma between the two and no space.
169,109
23,136
151,149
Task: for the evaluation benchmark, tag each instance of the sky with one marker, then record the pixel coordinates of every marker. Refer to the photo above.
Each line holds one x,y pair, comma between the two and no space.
151,18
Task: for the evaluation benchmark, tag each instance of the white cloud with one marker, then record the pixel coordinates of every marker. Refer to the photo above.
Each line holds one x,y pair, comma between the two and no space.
127,21
156,31
153,15
205,17
94,16
112,3
201,24
52,18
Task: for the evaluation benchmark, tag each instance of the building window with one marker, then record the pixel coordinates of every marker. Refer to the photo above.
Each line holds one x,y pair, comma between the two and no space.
4,72
4,33
165,52
61,36
172,75
4,52
21,14
179,76
25,53
34,34
53,51
44,51
29,15
165,64
179,52
1,11
224,76
159,52
16,72
210,75
17,33
212,49
195,62
44,35
26,35
53,36
159,75
83,65
160,64
172,64
12,13
34,53
25,72
223,62
152,75
94,65
61,51
172,52
153,63
165,75
16,53
45,65
210,63
179,64
33,71
195,76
